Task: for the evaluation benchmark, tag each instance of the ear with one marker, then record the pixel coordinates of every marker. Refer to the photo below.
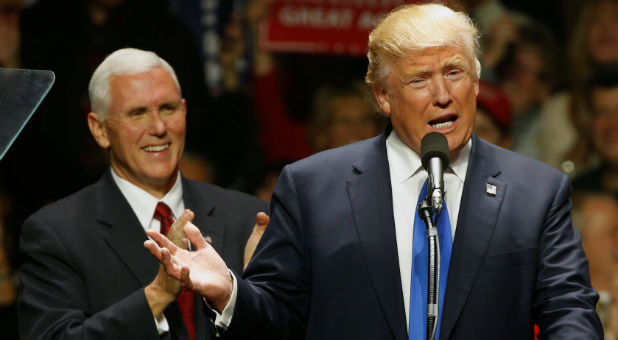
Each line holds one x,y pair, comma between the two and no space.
476,87
382,98
98,130
184,106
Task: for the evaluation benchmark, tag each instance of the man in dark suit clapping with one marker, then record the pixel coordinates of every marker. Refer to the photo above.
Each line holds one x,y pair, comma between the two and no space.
86,274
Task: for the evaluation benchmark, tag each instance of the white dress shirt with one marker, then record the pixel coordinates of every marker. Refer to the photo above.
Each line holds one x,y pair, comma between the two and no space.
143,205
407,179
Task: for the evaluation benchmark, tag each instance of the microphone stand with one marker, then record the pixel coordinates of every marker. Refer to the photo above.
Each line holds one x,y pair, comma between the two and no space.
433,283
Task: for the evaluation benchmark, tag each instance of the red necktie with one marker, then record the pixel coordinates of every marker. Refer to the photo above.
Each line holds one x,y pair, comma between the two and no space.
163,213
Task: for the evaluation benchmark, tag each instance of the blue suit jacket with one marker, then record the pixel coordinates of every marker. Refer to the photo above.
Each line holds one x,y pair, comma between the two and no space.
327,266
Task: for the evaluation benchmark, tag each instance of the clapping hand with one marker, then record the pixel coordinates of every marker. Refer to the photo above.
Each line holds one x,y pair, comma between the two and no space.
203,271
164,289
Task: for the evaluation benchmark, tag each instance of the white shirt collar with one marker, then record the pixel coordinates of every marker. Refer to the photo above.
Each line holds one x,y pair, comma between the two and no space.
406,163
144,204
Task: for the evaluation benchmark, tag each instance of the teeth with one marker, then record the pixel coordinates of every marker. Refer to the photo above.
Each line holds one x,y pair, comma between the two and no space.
157,148
442,125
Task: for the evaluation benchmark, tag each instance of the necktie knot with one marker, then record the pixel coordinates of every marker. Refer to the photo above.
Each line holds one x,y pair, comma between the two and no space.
163,213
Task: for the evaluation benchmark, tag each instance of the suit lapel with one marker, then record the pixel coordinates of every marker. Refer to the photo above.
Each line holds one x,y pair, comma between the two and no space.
370,195
478,215
122,230
204,208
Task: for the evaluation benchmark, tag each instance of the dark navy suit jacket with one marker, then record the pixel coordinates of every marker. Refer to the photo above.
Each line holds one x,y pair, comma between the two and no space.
327,266
85,265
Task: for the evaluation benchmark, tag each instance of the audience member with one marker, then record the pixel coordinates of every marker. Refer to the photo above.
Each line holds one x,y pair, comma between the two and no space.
343,114
195,167
527,75
285,87
596,216
85,272
498,25
601,102
231,123
563,118
493,115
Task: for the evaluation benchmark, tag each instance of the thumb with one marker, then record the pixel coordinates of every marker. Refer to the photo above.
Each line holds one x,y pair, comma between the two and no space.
261,221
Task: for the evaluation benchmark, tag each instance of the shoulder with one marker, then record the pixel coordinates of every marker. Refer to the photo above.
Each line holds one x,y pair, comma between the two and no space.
71,208
70,220
521,170
206,191
507,158
337,161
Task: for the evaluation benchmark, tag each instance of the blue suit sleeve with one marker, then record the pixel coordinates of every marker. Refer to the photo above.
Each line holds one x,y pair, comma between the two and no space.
273,297
565,302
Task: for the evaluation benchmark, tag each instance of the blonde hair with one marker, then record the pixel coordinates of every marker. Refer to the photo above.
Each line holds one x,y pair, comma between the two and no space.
415,27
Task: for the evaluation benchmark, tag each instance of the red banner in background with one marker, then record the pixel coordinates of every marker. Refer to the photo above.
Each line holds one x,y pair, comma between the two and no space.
323,26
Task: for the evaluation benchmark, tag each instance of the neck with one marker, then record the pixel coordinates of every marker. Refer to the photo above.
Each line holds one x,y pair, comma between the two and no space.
157,188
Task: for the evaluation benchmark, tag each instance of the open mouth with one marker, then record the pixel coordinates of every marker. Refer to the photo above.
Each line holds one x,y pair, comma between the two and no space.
157,148
443,122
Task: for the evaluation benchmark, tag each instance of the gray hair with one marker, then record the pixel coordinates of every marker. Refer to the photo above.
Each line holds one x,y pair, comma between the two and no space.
415,27
121,62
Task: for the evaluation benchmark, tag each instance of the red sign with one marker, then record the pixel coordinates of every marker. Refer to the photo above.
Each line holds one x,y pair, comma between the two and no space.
323,26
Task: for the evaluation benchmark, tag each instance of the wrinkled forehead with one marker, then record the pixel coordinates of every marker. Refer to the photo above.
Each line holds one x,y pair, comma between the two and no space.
432,59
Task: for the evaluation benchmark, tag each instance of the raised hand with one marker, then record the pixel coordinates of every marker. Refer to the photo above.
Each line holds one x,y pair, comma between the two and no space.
203,271
261,222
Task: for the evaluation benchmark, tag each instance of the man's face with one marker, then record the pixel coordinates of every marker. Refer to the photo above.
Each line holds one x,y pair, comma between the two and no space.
431,90
145,129
605,123
526,80
352,121
600,235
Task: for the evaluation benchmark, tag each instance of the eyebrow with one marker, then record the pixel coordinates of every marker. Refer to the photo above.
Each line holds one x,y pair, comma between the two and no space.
447,64
171,103
455,62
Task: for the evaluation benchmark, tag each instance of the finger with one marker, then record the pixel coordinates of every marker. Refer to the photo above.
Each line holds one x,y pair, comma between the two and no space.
185,278
262,220
162,241
195,236
168,264
153,248
166,257
176,233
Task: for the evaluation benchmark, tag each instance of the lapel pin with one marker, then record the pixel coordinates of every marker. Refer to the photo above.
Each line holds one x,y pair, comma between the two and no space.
490,189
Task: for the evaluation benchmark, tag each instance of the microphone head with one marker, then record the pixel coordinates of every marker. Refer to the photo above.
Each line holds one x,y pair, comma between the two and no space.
434,144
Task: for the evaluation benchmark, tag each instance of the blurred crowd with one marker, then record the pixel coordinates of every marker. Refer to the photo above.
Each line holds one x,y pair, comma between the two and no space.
549,89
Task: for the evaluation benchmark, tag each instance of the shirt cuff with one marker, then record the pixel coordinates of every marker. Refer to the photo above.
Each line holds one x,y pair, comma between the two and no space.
223,320
162,325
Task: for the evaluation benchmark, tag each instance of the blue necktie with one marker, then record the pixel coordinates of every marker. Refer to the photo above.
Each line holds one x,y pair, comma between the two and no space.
418,287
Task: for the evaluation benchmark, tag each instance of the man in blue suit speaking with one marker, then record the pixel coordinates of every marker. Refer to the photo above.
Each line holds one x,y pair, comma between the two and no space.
338,259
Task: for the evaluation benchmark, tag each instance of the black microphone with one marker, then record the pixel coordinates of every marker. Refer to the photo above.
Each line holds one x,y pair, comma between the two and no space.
435,158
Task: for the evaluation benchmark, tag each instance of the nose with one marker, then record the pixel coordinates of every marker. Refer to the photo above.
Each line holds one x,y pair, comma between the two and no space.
156,125
440,92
